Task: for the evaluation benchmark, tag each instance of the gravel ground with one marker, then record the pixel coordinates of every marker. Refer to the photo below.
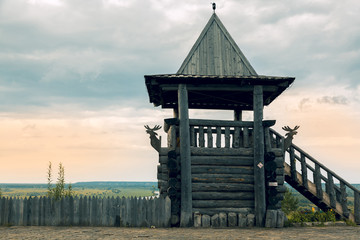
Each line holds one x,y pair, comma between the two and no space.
343,232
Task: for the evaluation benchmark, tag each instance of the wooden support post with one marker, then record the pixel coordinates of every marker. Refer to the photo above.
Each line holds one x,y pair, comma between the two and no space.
237,115
227,137
331,190
218,137
304,171
186,191
293,164
259,173
343,199
317,181
357,207
209,137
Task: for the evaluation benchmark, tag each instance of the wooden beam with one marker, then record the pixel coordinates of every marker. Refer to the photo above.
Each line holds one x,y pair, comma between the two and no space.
237,115
259,173
185,158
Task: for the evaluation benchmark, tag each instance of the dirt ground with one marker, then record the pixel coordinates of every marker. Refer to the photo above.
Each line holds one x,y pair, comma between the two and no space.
343,232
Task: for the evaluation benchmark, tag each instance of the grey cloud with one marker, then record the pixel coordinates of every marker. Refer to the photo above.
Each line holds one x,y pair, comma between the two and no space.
97,52
304,103
333,100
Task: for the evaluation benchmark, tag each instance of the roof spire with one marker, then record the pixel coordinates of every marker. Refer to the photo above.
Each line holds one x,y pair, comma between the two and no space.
213,6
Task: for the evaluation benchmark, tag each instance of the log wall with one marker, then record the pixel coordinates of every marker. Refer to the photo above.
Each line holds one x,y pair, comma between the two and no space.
222,167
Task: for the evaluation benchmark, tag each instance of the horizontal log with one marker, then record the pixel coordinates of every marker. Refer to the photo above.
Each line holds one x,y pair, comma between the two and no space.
224,123
223,203
212,211
222,169
222,160
222,187
221,151
210,179
223,195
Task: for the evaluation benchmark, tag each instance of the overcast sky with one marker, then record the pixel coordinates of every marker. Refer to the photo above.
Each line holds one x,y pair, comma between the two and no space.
72,87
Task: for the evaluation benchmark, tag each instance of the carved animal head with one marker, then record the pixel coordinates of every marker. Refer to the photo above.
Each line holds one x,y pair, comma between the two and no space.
151,131
291,132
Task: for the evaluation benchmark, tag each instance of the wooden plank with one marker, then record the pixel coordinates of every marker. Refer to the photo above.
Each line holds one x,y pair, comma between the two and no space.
317,181
209,137
185,155
192,136
236,138
259,173
223,195
357,206
201,137
246,137
292,164
223,203
222,187
304,171
222,151
218,137
210,179
223,169
227,137
220,123
212,211
331,190
343,199
222,160
267,139
172,138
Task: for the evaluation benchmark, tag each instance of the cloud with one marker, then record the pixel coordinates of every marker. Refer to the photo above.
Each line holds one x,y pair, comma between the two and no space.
304,103
341,100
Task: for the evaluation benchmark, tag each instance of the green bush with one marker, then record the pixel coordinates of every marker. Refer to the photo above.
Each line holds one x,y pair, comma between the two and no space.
59,190
290,203
309,216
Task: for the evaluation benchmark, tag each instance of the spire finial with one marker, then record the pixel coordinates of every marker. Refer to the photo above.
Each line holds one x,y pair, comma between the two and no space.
213,6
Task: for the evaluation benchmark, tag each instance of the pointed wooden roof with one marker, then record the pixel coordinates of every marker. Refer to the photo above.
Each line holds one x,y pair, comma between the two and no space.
217,76
216,53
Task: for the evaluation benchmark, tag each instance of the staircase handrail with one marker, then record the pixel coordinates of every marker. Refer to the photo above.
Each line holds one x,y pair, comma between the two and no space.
316,162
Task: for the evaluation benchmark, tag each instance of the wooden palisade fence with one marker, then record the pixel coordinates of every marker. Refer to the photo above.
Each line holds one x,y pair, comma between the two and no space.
319,184
85,211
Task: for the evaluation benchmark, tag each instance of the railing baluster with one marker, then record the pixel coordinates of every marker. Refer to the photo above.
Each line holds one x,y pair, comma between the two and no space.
227,137
236,138
192,136
267,139
172,138
293,165
201,137
304,171
331,190
218,137
246,137
317,181
343,199
357,206
209,137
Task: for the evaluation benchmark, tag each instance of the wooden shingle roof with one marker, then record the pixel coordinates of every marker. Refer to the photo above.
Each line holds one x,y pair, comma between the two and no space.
216,53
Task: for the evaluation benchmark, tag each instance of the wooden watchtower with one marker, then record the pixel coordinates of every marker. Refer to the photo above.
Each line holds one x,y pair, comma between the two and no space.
213,166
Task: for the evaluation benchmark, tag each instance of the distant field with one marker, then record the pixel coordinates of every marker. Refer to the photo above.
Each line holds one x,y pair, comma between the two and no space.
99,189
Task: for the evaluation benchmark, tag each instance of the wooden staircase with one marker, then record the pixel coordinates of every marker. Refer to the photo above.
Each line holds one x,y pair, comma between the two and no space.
317,183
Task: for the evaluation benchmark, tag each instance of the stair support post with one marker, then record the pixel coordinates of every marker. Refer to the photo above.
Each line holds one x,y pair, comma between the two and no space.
317,181
357,207
293,164
343,199
331,190
304,171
